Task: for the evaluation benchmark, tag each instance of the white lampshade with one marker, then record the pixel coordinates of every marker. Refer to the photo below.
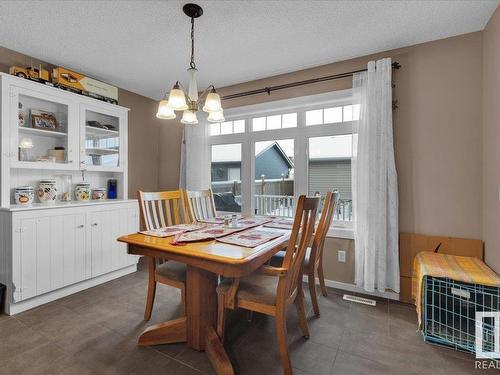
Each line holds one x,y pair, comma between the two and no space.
189,117
177,99
164,111
193,86
212,103
26,143
216,116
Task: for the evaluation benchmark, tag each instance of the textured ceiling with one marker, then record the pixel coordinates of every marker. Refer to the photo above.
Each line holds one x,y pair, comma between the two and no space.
143,46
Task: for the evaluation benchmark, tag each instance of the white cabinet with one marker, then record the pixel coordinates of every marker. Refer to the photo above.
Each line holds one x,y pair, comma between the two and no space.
29,140
44,128
55,248
49,251
103,138
105,227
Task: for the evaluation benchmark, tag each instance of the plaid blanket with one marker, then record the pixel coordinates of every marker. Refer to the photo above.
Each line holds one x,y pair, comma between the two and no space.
465,269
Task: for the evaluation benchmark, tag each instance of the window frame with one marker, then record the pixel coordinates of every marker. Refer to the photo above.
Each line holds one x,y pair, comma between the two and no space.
300,134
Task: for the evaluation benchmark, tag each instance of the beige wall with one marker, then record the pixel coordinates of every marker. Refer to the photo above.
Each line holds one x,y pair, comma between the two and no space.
491,141
144,135
437,134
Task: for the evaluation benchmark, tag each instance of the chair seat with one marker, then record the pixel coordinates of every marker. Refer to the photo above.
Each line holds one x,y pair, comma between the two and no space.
172,270
254,288
277,259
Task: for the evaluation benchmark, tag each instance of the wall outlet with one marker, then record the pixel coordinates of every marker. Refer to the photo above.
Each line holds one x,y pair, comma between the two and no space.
341,255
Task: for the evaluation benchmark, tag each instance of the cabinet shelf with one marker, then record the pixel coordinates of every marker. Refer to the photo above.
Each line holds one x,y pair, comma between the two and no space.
101,151
97,133
43,133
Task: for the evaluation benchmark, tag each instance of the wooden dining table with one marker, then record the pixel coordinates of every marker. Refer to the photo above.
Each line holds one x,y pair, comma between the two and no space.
205,261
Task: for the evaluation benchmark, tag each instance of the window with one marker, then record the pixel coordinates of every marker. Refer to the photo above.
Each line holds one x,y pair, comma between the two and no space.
274,178
227,127
287,120
332,115
226,176
288,149
330,168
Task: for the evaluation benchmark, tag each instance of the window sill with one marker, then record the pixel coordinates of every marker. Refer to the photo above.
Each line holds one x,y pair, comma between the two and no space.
341,232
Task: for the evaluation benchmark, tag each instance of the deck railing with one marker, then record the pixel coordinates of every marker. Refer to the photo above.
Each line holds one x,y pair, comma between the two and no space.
274,205
282,205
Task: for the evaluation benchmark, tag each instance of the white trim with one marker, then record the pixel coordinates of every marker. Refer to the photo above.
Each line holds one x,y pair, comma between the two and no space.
278,106
15,308
353,288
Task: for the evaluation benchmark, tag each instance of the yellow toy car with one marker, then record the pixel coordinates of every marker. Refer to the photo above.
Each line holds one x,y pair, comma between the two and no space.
35,74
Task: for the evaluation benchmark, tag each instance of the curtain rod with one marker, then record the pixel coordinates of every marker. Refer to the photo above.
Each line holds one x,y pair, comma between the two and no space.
395,65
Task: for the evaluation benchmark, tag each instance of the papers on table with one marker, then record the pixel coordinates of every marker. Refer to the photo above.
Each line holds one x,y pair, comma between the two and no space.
173,230
251,237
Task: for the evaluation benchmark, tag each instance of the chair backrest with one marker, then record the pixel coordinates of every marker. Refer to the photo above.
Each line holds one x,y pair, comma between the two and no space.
161,209
300,238
200,204
325,221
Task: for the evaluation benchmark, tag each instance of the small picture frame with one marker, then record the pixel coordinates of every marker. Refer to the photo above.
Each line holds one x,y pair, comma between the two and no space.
43,120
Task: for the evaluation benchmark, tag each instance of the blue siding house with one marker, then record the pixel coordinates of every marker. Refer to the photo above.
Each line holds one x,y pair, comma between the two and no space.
272,162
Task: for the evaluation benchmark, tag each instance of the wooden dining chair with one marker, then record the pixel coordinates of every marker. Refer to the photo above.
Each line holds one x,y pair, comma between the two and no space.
200,204
271,289
161,209
313,262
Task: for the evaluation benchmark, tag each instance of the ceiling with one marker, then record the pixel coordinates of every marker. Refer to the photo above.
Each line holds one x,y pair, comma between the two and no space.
143,46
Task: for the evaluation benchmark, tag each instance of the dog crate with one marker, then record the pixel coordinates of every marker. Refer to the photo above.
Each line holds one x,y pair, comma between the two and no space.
449,313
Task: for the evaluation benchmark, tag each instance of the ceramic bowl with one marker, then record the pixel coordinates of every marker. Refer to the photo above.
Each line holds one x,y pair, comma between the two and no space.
47,191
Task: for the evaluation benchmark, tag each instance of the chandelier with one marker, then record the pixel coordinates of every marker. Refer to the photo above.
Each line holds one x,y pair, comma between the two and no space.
179,100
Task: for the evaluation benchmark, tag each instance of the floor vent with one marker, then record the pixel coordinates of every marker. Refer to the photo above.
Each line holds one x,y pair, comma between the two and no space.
364,301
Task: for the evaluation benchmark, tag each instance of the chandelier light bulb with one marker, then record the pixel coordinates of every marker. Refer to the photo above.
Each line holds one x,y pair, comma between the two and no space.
189,117
216,116
164,111
212,103
177,99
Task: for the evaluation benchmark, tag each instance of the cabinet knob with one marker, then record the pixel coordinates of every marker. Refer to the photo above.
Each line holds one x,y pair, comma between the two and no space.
94,224
80,226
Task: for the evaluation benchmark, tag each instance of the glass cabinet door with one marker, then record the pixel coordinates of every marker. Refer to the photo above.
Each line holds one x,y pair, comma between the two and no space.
102,139
44,130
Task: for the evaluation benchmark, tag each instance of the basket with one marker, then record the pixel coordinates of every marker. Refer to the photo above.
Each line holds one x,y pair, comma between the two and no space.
449,313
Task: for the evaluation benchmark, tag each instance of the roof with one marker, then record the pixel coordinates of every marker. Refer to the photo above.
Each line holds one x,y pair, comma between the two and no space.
278,148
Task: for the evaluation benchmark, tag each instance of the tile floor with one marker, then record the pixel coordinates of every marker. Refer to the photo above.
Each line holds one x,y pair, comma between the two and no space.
95,332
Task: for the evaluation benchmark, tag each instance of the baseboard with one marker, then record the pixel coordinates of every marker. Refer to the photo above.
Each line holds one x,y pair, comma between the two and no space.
15,308
353,288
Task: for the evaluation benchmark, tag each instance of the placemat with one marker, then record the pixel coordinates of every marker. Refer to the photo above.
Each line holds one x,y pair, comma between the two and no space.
172,230
207,233
251,237
280,223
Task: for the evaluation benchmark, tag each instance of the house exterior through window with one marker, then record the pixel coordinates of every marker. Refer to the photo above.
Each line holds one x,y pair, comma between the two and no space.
280,150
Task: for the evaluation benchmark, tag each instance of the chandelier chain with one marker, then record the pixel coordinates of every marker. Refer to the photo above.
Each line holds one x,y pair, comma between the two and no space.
192,63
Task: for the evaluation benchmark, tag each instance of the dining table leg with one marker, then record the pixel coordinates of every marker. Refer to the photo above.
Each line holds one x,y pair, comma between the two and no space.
197,326
201,314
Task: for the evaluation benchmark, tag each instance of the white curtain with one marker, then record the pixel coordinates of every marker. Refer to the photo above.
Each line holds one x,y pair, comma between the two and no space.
375,191
195,157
